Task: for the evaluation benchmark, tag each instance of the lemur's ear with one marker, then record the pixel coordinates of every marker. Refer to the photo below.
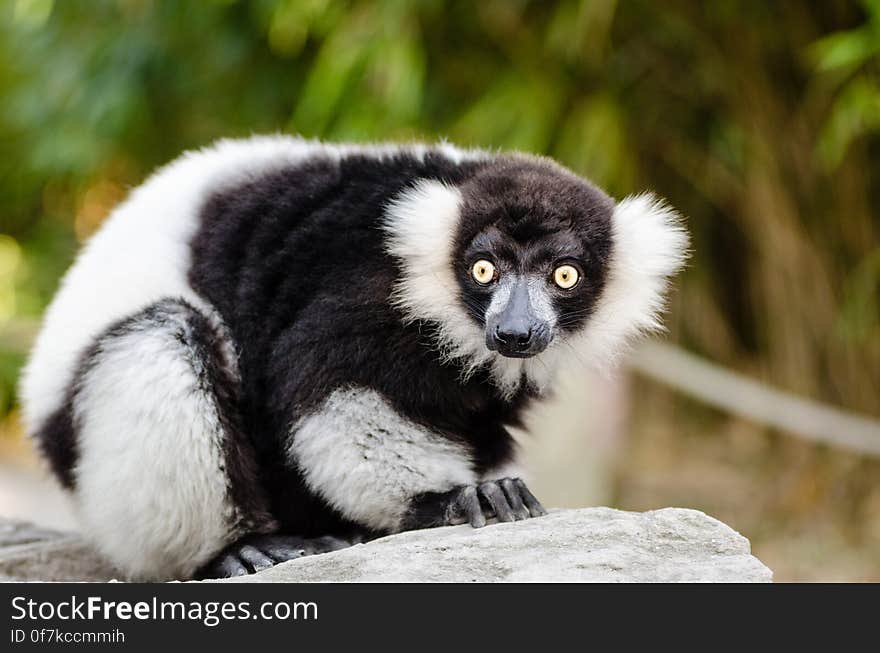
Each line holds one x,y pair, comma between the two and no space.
649,245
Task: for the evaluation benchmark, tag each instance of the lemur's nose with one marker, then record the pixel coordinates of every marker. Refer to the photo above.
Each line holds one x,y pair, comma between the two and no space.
512,335
516,331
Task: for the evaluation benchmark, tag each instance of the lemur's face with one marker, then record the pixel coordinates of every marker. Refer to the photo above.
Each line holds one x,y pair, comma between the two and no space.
531,254
523,257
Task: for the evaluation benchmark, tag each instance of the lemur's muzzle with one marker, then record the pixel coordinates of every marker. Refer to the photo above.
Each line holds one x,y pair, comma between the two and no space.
517,331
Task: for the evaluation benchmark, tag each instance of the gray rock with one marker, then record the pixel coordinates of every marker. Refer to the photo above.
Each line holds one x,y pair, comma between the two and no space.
28,552
587,545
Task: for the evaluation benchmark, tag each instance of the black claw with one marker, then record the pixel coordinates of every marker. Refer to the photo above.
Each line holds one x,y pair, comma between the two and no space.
470,504
228,566
534,506
513,497
494,495
254,558
280,552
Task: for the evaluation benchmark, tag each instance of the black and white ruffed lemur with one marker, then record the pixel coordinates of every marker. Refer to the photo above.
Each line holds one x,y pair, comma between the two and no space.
276,346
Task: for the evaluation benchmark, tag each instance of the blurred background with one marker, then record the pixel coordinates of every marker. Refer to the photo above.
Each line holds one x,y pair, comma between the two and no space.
759,121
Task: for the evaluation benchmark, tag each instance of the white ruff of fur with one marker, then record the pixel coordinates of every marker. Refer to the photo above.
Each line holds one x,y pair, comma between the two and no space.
649,246
367,461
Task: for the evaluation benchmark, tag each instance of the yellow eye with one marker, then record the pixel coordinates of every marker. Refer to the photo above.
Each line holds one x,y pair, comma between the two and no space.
566,276
483,271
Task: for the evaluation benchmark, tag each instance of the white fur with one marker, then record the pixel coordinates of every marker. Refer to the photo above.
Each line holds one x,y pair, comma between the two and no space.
150,489
367,461
649,246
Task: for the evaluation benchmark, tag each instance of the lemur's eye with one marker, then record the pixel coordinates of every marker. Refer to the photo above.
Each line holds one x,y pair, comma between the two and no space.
566,276
483,272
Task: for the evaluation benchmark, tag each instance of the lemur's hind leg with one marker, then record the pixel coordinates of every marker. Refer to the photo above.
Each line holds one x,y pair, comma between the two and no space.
163,476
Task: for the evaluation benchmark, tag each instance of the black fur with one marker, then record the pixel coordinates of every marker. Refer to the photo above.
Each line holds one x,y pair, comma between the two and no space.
528,216
295,263
58,443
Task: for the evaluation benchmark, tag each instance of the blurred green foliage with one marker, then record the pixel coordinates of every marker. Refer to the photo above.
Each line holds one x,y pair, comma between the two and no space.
758,120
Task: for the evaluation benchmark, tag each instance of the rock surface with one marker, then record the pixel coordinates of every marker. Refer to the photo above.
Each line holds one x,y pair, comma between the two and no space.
587,545
28,552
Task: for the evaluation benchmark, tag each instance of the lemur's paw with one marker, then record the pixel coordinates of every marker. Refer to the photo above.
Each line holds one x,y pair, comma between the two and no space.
254,553
507,499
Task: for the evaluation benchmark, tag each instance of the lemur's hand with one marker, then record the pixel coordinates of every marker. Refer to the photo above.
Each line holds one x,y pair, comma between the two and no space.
506,499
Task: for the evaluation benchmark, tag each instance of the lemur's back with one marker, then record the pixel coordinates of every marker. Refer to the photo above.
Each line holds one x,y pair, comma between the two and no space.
140,255
304,245
144,251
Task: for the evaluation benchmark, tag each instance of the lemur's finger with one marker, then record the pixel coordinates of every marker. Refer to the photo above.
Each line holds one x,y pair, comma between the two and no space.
513,498
534,506
281,551
493,494
255,558
469,503
228,567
